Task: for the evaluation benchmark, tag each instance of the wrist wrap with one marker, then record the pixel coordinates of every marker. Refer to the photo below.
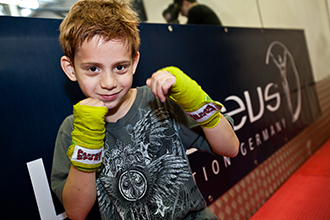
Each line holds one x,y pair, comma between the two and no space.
86,150
192,98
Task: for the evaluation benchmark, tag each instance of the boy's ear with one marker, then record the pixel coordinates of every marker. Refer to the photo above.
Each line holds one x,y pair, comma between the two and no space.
68,68
136,60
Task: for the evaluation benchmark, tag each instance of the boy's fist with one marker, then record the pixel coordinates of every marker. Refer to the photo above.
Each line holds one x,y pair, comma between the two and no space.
86,150
160,83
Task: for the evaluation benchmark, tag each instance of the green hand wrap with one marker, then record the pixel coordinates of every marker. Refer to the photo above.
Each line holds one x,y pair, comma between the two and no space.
192,98
86,150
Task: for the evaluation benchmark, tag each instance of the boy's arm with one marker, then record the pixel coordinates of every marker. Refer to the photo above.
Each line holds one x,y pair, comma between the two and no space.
172,82
79,193
85,153
222,138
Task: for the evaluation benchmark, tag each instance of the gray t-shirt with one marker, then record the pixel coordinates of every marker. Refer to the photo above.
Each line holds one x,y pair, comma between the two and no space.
145,172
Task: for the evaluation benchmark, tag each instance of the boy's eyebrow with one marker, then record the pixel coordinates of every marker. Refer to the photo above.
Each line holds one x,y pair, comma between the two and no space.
126,62
87,64
123,62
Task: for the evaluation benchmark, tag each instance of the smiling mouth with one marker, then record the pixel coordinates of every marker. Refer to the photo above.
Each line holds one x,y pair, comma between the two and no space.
109,97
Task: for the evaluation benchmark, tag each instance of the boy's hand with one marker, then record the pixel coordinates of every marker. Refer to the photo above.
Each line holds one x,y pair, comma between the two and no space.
86,150
160,83
92,102
187,93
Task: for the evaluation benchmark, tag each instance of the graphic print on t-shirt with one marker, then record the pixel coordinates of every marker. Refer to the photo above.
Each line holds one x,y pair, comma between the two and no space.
147,178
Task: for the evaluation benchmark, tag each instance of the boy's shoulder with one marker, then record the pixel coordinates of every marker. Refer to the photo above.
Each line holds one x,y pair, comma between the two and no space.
67,124
68,120
144,93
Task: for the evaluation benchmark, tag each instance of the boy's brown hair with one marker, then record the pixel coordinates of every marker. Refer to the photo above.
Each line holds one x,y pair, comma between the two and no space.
110,19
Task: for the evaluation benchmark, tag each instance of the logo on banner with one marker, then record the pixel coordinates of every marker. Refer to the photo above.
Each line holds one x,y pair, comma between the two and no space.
268,100
280,60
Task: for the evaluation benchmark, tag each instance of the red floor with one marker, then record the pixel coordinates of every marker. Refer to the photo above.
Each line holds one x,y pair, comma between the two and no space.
306,194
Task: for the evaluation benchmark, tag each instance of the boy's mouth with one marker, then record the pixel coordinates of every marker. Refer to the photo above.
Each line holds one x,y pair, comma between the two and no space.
109,97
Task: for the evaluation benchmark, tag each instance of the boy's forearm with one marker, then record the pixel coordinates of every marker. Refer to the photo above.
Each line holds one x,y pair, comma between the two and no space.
222,138
79,193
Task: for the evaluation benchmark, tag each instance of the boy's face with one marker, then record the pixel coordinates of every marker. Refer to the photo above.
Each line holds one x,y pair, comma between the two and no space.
104,70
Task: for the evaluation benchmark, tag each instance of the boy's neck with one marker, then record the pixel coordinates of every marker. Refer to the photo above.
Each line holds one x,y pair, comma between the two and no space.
114,115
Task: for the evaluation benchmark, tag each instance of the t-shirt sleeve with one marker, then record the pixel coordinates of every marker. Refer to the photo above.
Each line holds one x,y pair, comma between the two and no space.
61,163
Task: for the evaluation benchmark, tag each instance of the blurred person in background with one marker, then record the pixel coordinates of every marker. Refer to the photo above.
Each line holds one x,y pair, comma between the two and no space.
195,12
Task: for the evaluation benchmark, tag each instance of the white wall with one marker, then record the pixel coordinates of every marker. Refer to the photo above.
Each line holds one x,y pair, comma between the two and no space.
310,15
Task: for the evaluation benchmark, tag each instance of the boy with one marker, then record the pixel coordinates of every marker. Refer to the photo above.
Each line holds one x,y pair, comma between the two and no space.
126,146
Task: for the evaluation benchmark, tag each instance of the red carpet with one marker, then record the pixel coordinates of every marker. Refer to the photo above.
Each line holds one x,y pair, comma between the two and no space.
305,195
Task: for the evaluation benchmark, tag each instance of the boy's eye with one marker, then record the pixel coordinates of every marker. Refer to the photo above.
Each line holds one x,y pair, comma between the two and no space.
120,67
93,69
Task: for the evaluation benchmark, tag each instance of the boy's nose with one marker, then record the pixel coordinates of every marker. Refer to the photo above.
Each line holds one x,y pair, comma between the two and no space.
108,81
